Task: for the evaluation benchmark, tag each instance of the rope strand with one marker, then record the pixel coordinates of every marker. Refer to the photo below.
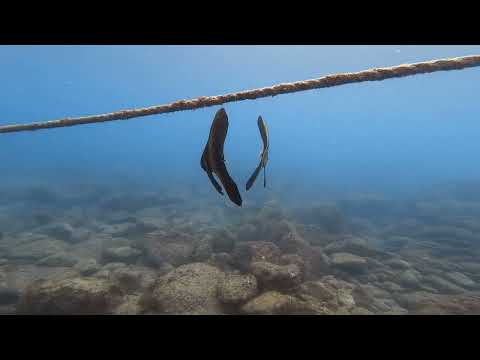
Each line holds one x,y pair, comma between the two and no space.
376,74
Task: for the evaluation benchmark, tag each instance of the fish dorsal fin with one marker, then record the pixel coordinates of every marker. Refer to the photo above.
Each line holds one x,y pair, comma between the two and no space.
263,155
262,126
218,133
203,159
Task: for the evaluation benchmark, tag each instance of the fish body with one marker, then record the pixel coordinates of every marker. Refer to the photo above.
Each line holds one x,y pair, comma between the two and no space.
262,126
213,158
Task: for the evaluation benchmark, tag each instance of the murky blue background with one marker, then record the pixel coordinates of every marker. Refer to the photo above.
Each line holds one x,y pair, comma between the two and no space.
394,136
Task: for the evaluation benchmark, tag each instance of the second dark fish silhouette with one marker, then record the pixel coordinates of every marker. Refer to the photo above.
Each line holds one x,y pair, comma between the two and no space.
213,159
263,156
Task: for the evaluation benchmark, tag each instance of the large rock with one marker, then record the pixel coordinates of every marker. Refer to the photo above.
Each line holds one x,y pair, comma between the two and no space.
278,277
69,297
236,289
189,289
246,253
173,248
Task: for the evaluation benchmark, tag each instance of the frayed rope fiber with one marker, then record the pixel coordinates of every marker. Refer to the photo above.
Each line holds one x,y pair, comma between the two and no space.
376,74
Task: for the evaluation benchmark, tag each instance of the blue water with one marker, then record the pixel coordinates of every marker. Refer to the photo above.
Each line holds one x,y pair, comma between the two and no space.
393,135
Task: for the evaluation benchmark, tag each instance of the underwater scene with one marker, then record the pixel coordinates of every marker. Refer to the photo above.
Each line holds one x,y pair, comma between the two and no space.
360,199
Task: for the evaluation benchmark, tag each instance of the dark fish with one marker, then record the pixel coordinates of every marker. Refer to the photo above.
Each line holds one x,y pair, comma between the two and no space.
213,159
263,156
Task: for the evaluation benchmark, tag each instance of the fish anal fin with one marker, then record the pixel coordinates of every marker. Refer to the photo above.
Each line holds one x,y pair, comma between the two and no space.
254,176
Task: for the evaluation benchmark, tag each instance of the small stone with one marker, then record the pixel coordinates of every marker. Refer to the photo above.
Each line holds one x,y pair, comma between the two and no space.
125,254
58,259
443,285
79,235
247,233
279,277
76,296
202,251
288,259
270,303
36,250
397,242
223,242
8,310
356,246
320,291
470,267
8,295
87,267
349,262
221,260
130,305
391,286
398,264
134,278
345,298
410,279
60,231
236,289
460,279
249,252
360,311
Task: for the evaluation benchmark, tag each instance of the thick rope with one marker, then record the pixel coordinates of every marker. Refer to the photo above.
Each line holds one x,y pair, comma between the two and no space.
205,101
